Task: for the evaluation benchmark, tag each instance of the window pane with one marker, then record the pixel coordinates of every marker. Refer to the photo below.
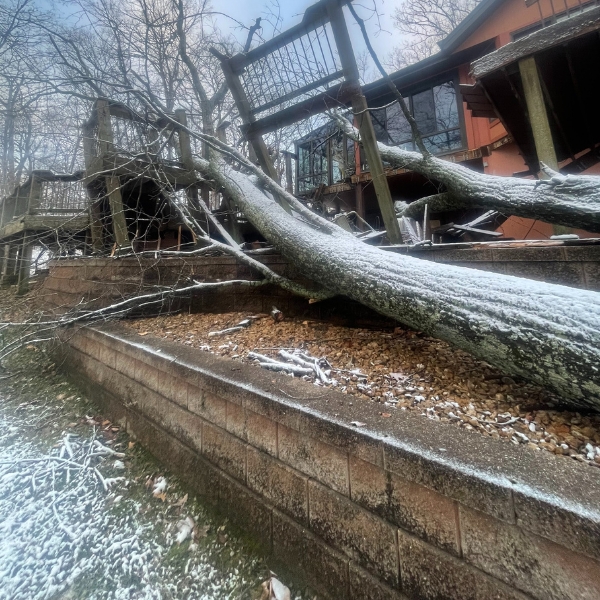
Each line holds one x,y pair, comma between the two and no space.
443,142
378,120
424,111
446,110
304,160
398,127
320,158
338,165
351,156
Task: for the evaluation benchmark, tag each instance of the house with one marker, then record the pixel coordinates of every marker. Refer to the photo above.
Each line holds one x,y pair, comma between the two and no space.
483,123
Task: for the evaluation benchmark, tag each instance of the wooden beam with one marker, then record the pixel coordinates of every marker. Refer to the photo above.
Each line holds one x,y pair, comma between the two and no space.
289,180
538,116
24,265
185,145
104,131
35,194
117,210
365,126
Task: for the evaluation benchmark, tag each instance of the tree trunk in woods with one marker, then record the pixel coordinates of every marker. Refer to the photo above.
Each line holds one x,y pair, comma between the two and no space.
548,334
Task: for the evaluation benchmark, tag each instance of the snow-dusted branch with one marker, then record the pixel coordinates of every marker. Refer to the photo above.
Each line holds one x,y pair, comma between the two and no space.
546,333
569,200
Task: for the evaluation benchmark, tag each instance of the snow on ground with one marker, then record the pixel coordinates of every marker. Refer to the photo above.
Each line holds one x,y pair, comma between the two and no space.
86,513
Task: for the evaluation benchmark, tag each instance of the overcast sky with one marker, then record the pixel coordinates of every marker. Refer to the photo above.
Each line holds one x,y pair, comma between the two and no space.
382,33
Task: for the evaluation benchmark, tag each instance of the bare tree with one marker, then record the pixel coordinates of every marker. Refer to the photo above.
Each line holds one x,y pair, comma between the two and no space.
425,23
549,334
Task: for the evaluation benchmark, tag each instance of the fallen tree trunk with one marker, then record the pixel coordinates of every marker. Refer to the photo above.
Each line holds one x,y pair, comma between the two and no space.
548,334
569,200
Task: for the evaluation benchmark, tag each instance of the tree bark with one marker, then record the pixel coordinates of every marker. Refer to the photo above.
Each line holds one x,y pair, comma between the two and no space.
546,333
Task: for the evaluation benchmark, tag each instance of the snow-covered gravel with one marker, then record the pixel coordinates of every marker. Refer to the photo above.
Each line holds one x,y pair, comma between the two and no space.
86,513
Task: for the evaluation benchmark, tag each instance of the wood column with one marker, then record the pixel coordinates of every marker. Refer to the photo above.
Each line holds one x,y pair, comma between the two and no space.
367,132
117,210
24,265
185,145
360,204
35,194
289,179
538,116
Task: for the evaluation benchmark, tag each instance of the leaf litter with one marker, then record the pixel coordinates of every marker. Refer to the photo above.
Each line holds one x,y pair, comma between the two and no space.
395,369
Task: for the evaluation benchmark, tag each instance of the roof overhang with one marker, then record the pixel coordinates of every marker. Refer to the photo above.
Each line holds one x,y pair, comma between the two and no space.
427,69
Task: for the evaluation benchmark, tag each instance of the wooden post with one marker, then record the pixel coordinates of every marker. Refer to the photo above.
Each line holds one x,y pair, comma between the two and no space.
117,210
5,260
10,263
289,180
35,194
89,144
365,126
104,132
96,227
538,116
24,265
185,145
360,204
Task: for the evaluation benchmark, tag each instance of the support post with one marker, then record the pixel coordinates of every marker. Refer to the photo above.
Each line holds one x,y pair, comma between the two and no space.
89,143
104,133
117,210
35,194
365,126
185,145
5,261
12,254
538,116
96,227
360,204
24,265
289,180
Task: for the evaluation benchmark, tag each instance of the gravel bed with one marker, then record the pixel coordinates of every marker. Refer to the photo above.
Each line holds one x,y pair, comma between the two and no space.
398,369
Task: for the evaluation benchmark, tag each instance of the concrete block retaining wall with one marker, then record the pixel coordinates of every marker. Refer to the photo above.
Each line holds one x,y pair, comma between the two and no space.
102,281
398,508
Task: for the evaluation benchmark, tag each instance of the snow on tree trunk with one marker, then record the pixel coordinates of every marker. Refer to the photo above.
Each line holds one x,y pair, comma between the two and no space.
546,333
569,200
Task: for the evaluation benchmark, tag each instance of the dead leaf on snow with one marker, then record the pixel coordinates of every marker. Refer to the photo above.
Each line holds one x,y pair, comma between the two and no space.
181,501
273,589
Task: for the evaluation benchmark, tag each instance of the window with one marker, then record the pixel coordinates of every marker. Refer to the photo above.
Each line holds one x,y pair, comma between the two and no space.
327,158
436,112
313,165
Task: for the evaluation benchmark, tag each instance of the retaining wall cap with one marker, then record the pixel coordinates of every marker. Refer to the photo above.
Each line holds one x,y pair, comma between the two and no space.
566,488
